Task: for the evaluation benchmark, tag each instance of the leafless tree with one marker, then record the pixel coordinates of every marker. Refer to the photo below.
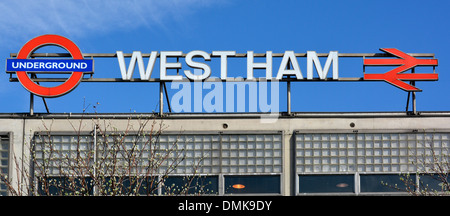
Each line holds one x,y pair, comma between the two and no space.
104,161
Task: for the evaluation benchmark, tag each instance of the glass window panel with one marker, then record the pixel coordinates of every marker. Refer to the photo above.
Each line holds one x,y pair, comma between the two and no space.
127,185
276,138
251,137
259,153
252,184
334,160
259,145
334,152
324,137
4,158
433,183
225,138
326,184
308,153
233,138
191,185
234,161
233,169
251,145
65,186
268,145
234,153
242,161
242,138
333,137
385,182
259,161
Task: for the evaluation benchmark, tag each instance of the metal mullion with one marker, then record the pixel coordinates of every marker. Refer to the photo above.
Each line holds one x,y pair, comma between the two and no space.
221,179
246,151
390,152
220,154
265,157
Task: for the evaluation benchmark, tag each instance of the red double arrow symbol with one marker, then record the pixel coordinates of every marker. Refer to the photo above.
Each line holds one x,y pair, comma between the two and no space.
406,62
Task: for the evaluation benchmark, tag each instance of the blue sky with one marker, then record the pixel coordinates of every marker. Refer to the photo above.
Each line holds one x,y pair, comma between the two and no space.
241,26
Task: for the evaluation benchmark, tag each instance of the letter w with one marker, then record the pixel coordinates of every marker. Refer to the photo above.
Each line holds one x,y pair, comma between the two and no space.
136,56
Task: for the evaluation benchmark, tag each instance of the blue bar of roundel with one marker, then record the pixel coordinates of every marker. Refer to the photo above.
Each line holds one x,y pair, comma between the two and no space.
50,65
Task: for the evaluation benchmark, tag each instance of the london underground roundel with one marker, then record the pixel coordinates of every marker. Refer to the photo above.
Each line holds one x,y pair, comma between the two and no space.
22,64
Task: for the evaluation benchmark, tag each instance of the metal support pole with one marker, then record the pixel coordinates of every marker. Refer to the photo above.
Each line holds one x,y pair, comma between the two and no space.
45,104
289,98
413,83
31,104
167,98
414,101
407,101
289,91
414,111
161,101
33,75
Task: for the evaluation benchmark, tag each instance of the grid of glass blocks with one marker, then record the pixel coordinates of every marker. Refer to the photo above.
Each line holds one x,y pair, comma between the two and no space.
201,153
118,153
251,153
184,153
4,158
367,152
57,154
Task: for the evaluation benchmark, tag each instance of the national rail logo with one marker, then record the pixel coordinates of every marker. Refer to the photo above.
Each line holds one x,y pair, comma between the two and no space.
23,64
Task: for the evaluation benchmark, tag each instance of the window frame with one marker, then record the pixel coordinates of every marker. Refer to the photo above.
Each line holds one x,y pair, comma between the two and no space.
220,174
357,173
10,153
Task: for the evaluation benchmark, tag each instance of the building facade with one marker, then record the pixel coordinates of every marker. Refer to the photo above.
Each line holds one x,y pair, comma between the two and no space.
302,154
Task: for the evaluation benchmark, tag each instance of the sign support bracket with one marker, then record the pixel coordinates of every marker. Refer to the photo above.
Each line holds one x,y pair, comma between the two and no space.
33,75
161,101
414,110
167,98
31,104
288,90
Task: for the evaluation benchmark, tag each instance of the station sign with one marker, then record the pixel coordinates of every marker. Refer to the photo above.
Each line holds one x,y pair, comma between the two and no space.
22,65
26,64
404,62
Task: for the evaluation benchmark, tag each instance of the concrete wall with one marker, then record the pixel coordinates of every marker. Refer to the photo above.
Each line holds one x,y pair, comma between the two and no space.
23,127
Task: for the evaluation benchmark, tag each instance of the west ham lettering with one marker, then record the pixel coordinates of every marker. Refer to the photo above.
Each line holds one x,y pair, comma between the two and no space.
198,66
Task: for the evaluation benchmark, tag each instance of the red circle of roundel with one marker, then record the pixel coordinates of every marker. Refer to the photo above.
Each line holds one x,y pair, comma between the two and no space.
45,40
